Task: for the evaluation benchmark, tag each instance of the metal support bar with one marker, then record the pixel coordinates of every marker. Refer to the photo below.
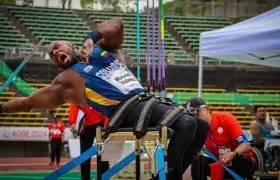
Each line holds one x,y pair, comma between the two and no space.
120,165
99,158
160,163
151,157
164,142
161,148
137,159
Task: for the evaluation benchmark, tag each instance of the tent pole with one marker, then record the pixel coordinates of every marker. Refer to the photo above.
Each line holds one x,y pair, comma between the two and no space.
200,75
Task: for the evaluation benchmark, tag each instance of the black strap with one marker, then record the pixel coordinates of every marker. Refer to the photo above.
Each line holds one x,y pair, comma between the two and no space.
170,116
141,126
122,111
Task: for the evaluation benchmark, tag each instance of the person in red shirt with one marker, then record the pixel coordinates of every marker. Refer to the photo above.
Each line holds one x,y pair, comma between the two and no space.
225,140
92,119
56,139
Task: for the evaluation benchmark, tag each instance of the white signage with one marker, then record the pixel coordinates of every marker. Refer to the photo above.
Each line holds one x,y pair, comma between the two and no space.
28,134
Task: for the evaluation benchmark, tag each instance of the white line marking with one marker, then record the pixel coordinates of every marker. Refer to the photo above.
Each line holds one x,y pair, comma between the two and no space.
33,164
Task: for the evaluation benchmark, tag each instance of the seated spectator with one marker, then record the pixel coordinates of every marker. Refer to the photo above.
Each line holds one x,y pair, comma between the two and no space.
259,130
259,127
225,140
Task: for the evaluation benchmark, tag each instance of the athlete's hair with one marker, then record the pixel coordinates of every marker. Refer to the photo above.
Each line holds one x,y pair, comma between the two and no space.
256,107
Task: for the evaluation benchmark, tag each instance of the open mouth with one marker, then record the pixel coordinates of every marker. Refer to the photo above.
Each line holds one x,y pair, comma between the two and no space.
62,58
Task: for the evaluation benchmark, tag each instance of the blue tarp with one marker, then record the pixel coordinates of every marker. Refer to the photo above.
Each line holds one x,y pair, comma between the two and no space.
254,41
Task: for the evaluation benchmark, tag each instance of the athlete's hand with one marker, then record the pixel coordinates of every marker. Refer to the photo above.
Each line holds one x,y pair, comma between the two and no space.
228,157
86,49
73,129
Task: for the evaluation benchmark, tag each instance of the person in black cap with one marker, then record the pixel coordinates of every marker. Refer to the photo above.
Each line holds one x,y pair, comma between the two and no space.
225,140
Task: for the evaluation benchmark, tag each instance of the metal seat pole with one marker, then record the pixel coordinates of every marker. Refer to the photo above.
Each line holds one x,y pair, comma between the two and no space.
137,159
164,138
161,154
164,142
98,159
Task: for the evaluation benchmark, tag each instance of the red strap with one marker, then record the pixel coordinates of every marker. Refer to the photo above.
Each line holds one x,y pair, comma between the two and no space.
106,121
217,171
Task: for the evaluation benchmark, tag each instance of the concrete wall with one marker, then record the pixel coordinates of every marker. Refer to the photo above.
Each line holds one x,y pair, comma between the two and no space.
24,149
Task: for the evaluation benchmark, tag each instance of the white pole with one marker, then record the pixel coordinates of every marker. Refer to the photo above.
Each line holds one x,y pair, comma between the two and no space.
200,75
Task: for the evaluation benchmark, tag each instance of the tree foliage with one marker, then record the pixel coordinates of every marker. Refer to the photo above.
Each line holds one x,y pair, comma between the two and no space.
8,2
111,5
178,7
88,3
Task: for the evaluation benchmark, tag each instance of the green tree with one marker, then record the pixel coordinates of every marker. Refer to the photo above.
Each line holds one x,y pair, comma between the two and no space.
110,5
128,6
88,3
8,2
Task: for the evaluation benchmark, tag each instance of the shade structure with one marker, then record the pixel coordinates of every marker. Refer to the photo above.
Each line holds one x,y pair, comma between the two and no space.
253,41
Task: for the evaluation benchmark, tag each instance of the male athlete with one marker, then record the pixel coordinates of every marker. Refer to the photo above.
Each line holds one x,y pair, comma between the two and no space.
103,82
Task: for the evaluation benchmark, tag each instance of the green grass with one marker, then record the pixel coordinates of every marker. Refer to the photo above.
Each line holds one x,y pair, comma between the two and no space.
40,175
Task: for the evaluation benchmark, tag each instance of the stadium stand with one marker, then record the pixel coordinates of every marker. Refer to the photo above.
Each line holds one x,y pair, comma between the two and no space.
10,36
129,46
53,24
259,91
216,90
189,28
46,22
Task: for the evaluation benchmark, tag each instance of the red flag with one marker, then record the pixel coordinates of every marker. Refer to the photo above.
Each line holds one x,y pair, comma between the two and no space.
217,171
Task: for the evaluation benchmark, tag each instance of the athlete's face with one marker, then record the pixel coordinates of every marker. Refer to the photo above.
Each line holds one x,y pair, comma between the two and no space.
61,53
261,113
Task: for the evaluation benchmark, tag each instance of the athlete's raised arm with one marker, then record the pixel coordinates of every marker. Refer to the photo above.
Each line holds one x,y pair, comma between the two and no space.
59,92
109,35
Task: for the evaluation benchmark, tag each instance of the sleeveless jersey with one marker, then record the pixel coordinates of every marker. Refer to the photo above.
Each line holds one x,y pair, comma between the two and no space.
108,82
265,130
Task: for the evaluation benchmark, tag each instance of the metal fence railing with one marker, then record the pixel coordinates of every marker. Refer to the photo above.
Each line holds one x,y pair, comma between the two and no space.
24,50
171,58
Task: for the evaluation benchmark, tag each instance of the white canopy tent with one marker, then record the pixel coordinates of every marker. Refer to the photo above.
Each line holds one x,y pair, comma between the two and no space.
254,41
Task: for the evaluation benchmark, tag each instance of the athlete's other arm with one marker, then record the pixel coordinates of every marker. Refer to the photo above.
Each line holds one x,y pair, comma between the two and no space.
61,91
255,131
109,35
